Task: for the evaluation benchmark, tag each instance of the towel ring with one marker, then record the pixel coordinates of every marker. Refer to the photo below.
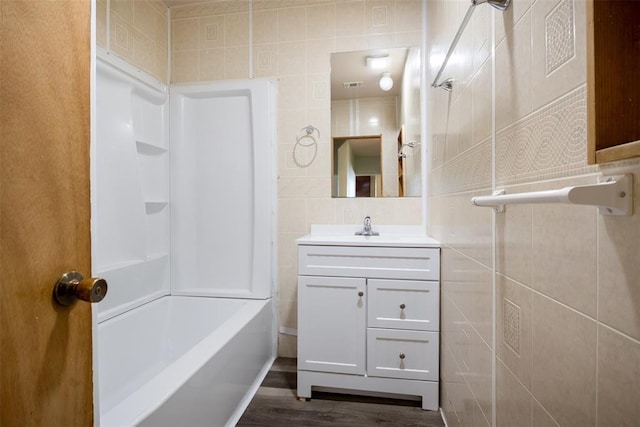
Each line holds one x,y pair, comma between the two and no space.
306,137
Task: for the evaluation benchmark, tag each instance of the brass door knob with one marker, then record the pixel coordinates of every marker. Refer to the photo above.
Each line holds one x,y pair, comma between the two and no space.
72,286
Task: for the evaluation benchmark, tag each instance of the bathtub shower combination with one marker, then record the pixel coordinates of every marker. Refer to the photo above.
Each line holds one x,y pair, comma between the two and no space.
183,214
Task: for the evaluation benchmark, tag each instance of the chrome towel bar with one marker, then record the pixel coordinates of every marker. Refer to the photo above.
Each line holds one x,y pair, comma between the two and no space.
498,4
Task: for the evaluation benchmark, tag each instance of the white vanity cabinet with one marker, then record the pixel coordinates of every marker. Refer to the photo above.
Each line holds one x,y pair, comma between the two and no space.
368,318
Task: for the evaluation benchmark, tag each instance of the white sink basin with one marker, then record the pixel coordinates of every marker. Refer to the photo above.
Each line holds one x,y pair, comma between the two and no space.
390,235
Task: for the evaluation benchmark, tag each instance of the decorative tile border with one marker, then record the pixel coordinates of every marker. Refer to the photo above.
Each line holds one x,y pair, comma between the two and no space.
470,170
549,143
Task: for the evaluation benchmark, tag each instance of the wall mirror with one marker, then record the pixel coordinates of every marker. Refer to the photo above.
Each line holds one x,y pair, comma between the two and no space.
376,123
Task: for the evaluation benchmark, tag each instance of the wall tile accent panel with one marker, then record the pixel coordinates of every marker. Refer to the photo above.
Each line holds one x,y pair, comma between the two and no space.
559,35
511,325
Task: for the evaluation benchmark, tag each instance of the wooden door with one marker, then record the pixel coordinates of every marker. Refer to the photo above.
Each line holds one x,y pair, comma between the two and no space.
45,350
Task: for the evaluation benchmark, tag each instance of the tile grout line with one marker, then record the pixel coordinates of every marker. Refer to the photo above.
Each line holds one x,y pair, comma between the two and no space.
494,234
597,311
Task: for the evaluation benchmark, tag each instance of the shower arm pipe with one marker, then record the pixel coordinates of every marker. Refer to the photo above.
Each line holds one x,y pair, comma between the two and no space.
498,4
613,195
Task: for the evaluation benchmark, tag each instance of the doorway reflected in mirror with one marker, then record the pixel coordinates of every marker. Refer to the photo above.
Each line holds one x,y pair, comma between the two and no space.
357,163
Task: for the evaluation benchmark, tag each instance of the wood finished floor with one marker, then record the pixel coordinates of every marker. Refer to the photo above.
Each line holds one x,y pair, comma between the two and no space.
276,404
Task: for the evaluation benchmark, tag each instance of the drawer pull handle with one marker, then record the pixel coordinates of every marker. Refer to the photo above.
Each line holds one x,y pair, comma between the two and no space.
360,293
402,306
402,356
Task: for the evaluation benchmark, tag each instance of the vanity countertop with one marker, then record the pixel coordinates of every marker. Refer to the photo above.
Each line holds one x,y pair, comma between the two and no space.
390,236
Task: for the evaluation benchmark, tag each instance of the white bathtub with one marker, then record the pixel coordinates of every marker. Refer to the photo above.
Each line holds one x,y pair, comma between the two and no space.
183,361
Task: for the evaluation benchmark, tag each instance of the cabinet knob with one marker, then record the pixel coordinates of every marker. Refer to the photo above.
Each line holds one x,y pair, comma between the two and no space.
402,306
402,356
360,293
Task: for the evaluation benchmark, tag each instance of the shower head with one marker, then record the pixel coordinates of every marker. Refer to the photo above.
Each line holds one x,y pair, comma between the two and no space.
446,85
498,4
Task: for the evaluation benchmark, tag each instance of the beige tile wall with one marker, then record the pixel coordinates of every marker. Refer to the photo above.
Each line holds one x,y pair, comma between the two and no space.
292,40
137,33
567,294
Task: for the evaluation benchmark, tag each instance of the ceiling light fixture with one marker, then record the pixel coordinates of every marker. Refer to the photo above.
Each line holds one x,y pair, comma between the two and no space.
386,82
378,62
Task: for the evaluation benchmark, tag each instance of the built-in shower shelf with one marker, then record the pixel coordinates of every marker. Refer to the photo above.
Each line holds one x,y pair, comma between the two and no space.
158,256
150,149
134,284
132,243
119,266
156,206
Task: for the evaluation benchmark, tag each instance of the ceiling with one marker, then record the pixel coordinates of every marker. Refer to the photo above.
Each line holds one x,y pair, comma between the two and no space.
173,3
352,67
369,147
362,146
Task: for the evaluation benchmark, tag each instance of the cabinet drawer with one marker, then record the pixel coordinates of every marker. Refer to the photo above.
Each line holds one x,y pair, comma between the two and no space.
369,262
402,354
404,304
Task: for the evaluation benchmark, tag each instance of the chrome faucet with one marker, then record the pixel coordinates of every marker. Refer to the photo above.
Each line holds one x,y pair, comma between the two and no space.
366,230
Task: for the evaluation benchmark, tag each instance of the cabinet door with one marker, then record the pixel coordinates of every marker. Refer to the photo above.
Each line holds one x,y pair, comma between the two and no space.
404,304
331,324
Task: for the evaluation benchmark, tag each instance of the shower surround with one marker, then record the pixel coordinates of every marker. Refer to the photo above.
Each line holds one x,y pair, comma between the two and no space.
185,236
